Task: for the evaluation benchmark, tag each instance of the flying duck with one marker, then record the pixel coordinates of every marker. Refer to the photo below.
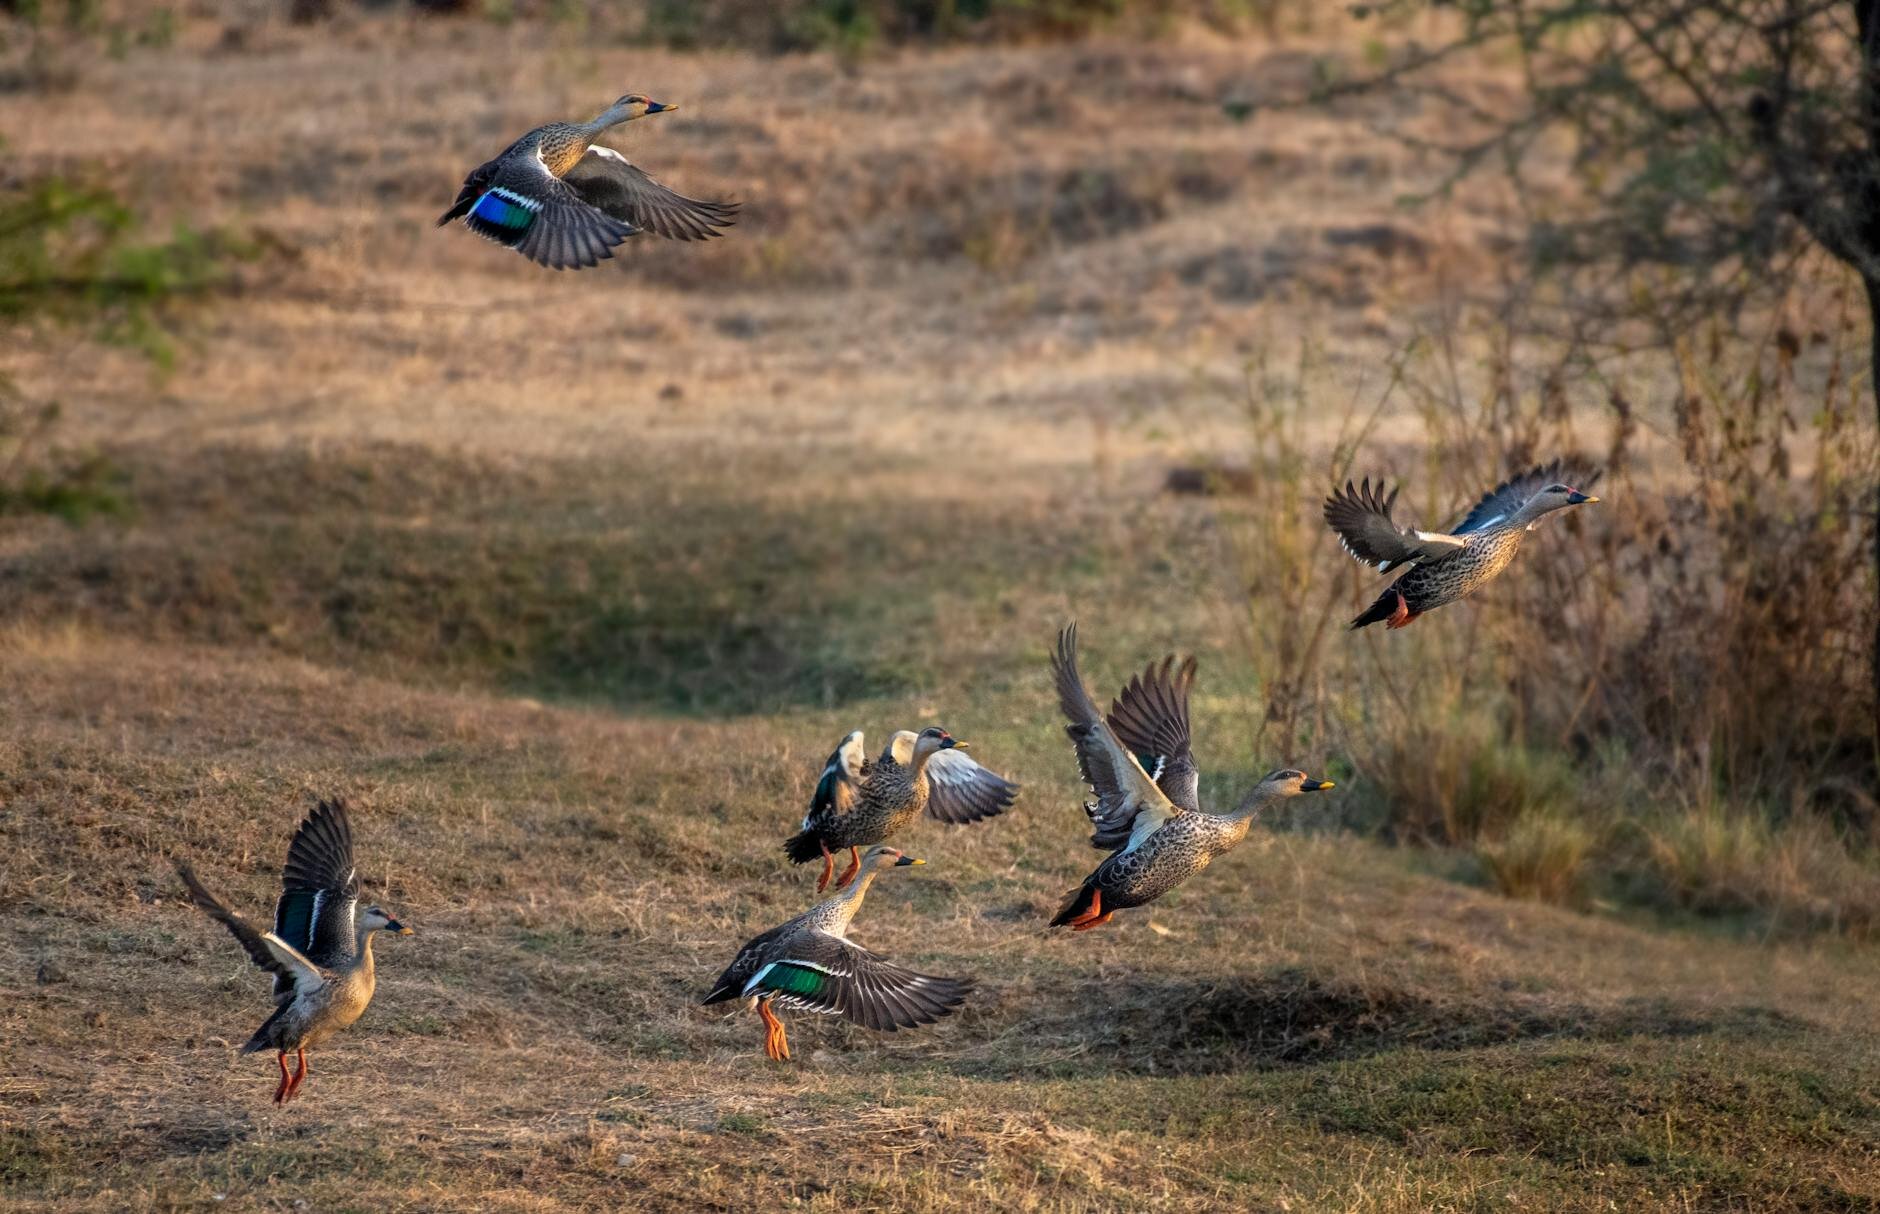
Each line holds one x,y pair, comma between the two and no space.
562,200
1446,566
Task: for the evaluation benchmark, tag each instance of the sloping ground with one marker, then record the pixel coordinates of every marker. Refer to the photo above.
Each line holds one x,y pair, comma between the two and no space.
1311,1023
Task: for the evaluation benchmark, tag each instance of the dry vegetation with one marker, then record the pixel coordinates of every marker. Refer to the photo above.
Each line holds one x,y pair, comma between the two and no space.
571,581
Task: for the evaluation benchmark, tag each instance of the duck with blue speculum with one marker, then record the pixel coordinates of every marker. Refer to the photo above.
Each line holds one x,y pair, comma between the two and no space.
560,199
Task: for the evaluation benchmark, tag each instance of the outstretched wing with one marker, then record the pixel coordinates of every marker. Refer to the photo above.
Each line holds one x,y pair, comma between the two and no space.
293,973
960,790
525,207
320,887
1151,718
841,780
606,179
1509,496
830,975
1360,515
1128,805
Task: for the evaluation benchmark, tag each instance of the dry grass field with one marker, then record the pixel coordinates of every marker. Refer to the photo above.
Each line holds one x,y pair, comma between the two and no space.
569,582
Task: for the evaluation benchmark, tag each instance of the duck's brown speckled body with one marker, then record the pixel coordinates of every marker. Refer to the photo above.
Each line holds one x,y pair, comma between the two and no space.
1446,566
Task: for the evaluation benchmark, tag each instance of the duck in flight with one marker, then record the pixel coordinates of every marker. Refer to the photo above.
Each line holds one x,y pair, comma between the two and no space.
1146,807
1446,566
562,200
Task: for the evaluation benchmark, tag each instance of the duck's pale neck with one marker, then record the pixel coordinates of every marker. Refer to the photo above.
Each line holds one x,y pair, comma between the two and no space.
1263,795
849,900
612,116
1533,510
362,950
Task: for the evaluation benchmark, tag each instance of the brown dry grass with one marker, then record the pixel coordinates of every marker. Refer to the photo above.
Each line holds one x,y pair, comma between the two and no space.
570,582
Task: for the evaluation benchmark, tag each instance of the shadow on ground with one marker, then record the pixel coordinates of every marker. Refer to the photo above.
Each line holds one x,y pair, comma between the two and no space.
567,580
1291,1016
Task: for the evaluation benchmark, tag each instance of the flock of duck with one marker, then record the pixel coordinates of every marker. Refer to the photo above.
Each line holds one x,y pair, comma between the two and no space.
561,200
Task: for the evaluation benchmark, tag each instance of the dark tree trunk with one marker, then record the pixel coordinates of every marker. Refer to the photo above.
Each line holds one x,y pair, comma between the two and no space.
1873,372
1867,28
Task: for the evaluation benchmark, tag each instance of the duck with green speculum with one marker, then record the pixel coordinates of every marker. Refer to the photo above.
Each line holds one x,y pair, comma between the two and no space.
1146,805
1446,566
810,963
562,200
858,802
320,951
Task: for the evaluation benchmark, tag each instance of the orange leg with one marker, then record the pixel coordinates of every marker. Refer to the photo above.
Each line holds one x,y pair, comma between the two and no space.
829,867
300,1073
855,866
1086,924
1092,915
280,1093
1401,616
776,1045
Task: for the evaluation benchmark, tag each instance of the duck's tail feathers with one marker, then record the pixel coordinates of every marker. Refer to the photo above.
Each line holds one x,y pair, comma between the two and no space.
1387,605
1075,904
803,847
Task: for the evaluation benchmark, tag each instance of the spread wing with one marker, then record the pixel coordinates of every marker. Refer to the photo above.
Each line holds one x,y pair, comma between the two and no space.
1128,805
841,779
293,973
604,178
320,887
1509,496
525,207
1151,718
960,790
1361,516
827,974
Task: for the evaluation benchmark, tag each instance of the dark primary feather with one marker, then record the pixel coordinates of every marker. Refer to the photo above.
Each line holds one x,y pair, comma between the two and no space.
604,178
1504,499
1151,718
1114,776
244,932
1361,516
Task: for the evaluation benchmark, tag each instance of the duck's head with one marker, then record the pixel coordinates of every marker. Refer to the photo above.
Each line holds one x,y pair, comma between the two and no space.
1558,497
634,105
1290,782
932,740
377,920
891,857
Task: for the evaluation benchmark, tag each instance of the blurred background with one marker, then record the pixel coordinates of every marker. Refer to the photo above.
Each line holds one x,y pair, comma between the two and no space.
1037,310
